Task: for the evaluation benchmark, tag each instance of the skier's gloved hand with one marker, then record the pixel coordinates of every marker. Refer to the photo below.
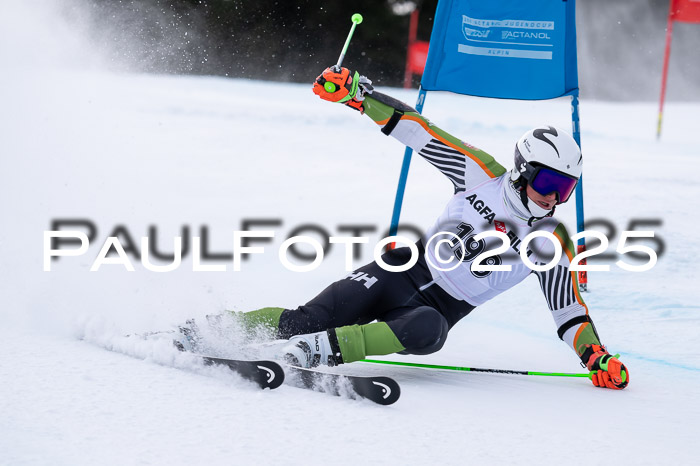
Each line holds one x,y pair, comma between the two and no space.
342,86
606,370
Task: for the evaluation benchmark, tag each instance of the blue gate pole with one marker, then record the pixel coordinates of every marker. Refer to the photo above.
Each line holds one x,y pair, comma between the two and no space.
576,127
398,201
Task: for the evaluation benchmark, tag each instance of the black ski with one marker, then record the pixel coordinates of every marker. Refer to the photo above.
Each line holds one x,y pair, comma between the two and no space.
267,374
382,390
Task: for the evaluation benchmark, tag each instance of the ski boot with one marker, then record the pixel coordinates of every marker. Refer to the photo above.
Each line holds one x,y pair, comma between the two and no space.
187,338
312,349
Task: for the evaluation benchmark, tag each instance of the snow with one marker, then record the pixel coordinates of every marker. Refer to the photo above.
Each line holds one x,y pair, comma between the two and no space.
138,150
172,151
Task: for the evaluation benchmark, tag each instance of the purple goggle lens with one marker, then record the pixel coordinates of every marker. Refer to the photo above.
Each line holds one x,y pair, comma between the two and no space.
548,181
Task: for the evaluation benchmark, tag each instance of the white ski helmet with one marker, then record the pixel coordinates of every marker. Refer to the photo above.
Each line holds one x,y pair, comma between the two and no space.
549,160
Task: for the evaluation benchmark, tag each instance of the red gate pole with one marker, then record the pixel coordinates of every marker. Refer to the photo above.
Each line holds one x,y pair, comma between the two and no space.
412,33
667,55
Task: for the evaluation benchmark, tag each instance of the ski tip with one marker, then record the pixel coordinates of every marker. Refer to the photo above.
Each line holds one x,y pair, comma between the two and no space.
272,374
385,390
380,390
266,374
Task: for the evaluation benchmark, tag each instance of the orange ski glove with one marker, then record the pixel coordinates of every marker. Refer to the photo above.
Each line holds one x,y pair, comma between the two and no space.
342,86
606,370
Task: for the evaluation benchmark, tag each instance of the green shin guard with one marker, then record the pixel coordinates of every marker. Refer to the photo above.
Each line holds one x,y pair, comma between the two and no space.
267,319
358,341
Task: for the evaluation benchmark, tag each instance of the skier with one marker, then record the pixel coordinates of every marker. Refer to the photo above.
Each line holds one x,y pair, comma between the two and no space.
415,309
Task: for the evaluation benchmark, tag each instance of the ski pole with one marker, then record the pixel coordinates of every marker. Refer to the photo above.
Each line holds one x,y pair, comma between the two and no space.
474,369
356,19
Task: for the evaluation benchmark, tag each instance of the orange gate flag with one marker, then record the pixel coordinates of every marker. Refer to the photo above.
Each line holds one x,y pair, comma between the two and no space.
686,11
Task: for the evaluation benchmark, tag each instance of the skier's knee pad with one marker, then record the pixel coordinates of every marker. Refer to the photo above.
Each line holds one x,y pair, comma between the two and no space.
422,330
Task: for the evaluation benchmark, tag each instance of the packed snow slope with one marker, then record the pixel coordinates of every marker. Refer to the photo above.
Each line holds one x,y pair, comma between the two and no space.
137,151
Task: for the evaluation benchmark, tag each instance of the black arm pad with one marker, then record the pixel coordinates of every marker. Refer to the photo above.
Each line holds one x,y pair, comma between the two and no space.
391,102
570,323
393,121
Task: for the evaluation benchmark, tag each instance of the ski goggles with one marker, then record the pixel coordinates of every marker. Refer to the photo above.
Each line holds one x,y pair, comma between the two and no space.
546,180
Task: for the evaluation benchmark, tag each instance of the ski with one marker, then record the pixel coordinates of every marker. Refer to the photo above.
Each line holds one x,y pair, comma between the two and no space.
381,390
267,374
